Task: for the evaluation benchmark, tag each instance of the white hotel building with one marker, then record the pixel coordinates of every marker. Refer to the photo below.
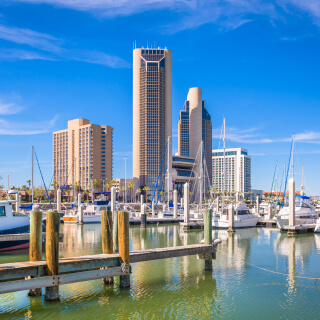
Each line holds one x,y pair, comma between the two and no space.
238,170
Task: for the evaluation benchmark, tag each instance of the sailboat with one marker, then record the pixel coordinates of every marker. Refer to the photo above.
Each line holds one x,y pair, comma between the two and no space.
305,212
243,218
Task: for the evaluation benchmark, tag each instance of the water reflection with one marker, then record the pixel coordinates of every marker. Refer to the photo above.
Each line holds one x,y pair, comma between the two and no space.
240,287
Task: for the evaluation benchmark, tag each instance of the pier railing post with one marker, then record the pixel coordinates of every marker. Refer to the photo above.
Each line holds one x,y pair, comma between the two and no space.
124,254
175,204
143,216
35,248
231,218
208,236
52,252
107,242
186,202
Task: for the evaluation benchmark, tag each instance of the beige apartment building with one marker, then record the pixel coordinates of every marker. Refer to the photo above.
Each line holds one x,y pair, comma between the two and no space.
82,152
152,114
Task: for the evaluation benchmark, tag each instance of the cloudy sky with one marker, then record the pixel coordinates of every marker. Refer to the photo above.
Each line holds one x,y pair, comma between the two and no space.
256,61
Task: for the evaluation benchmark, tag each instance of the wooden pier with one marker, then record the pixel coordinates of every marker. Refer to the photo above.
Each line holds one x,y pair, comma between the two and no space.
267,223
49,274
307,228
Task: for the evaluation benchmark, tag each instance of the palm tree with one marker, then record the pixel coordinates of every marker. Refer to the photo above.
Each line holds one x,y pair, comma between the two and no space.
146,189
213,190
138,191
68,191
131,186
113,183
54,184
86,192
24,187
161,195
122,189
29,183
250,192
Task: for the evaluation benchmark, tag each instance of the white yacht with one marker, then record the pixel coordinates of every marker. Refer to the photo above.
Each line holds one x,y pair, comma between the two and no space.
12,223
243,218
305,212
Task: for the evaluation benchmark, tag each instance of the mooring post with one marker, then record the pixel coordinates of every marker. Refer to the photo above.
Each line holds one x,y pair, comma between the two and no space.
52,252
257,205
292,203
35,248
208,237
152,208
79,200
217,205
237,197
18,203
269,211
143,216
186,202
115,220
231,218
124,253
141,201
59,200
80,214
175,204
107,242
164,208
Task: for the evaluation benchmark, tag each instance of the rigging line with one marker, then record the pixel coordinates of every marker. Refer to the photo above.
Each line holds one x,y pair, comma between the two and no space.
274,174
268,270
285,186
43,179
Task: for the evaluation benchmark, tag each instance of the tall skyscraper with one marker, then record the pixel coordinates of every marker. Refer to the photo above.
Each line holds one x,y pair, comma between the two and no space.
82,152
195,126
238,170
152,114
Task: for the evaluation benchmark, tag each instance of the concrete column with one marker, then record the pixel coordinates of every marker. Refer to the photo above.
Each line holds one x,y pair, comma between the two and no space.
237,197
152,207
80,214
141,200
292,203
59,200
113,200
231,218
257,205
269,216
143,216
164,208
18,198
217,205
114,220
79,200
175,204
186,202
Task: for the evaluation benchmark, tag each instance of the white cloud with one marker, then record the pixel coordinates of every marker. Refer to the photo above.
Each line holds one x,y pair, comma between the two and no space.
26,127
9,108
53,49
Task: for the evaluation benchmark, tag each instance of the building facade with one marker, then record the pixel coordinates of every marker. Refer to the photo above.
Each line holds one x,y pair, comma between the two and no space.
238,170
152,114
194,127
82,152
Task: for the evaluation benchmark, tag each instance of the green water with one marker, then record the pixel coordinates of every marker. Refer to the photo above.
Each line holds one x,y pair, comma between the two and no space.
179,288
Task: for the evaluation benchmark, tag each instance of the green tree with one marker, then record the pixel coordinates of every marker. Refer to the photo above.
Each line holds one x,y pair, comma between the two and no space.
162,195
146,189
68,191
138,191
29,183
250,192
122,189
54,184
131,186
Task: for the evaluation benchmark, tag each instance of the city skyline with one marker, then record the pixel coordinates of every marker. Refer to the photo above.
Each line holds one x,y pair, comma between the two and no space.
261,81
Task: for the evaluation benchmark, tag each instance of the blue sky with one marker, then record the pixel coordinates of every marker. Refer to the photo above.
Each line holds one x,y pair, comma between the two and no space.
256,61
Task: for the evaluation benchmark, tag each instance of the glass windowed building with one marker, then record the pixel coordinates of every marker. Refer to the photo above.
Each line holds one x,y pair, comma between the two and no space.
152,114
238,170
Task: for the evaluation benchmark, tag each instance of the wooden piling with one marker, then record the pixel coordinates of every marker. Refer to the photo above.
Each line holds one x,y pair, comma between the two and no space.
124,254
107,242
231,219
143,216
207,220
52,252
35,248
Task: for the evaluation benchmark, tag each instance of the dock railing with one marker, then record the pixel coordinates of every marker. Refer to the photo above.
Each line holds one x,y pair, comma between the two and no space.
51,273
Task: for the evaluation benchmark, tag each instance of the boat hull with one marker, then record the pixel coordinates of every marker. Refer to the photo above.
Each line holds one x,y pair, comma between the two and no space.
283,222
245,223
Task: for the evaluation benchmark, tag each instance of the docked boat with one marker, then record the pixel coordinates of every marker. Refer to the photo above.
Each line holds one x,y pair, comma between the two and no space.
243,218
305,212
12,223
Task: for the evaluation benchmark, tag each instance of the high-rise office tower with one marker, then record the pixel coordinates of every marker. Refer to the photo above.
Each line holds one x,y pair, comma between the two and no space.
82,152
152,114
195,126
238,170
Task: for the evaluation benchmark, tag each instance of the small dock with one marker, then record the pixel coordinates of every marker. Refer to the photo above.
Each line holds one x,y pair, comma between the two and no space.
156,221
115,260
292,230
23,236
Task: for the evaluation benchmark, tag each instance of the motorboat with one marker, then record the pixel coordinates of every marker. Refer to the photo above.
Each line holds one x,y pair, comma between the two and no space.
243,218
305,212
12,223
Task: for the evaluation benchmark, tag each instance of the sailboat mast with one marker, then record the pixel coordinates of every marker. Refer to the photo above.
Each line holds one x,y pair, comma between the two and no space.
32,175
302,181
201,169
75,182
168,169
293,156
125,179
224,161
277,177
